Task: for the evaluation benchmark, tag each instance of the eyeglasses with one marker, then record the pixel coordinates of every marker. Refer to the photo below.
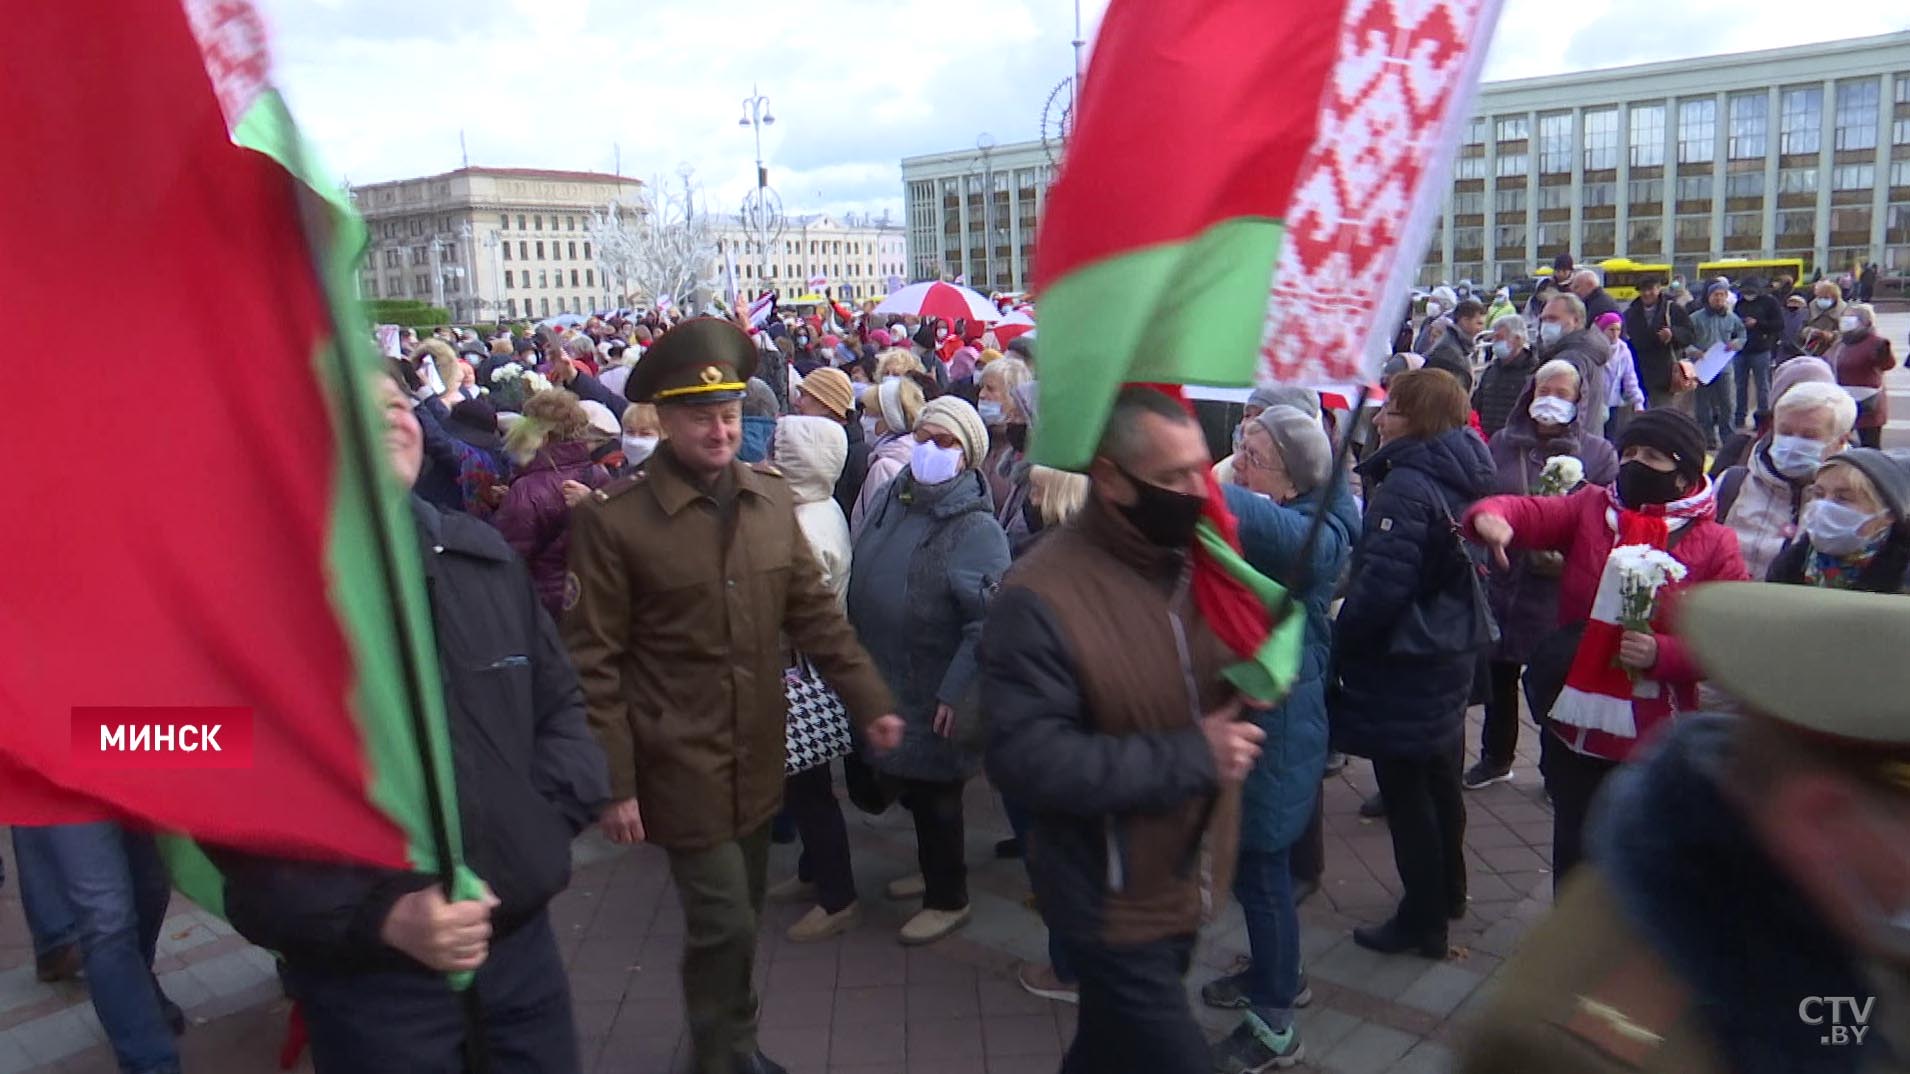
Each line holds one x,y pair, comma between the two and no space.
940,440
1258,461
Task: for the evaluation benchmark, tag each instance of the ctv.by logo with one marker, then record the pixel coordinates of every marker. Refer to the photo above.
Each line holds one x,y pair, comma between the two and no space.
1845,1018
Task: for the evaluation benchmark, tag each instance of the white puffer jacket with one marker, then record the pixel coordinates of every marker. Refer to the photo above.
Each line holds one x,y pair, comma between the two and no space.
811,452
1764,515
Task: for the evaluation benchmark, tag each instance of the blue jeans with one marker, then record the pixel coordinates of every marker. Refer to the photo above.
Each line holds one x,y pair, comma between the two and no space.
1263,882
118,888
1753,370
49,915
1018,821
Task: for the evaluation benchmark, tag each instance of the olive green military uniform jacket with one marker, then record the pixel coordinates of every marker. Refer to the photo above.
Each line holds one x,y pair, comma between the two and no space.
676,606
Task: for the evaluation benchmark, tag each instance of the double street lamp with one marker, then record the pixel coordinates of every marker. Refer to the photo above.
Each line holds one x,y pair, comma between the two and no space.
760,213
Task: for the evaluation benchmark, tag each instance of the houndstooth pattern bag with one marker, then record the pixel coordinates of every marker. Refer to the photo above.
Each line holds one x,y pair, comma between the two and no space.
817,729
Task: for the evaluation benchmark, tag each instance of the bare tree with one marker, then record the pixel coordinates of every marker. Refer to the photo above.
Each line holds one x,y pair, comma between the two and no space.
661,248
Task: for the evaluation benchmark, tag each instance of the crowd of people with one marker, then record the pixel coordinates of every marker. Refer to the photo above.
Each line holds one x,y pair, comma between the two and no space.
685,573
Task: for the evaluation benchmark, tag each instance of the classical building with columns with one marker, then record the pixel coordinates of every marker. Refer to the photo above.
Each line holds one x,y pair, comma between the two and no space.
1791,152
488,243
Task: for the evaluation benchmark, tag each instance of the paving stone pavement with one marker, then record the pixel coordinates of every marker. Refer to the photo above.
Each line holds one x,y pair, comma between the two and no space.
863,1004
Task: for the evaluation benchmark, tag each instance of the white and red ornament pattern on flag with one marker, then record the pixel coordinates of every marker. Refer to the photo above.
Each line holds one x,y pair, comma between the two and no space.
1366,195
232,39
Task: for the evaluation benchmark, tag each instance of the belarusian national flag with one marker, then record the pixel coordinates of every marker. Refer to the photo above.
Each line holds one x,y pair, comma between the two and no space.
1216,139
201,512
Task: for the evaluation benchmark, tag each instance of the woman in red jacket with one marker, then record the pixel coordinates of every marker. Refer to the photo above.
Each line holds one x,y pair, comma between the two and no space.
1861,357
1661,499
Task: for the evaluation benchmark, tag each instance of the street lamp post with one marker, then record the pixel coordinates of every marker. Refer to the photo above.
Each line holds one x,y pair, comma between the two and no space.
756,116
496,244
986,144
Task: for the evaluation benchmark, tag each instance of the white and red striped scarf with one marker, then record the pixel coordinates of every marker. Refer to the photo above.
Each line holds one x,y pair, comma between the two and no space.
1598,691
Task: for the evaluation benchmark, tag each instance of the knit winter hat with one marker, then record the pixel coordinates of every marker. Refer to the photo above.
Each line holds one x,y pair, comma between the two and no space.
1888,471
830,387
954,415
1802,369
1671,432
1304,449
898,402
1302,399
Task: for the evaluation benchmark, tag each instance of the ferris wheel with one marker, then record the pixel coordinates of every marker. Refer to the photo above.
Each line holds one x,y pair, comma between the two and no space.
1057,120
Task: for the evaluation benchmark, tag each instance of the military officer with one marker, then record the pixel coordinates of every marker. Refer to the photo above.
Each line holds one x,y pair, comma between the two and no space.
683,582
1746,906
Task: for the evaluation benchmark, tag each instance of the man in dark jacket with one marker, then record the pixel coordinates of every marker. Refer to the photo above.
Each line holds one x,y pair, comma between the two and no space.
1097,667
1763,318
1505,377
366,949
1659,331
1564,332
1452,350
1597,300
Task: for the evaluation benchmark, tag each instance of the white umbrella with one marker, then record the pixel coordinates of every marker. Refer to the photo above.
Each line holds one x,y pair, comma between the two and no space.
945,300
1016,324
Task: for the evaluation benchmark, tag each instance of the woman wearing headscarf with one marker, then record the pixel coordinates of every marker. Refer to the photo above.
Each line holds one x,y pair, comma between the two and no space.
890,409
553,445
1856,526
928,559
1283,474
1406,711
1546,422
1861,357
811,452
1662,499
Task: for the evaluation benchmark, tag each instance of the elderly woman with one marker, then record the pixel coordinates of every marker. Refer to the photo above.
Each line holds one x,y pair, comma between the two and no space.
1762,499
928,558
1856,526
1000,408
553,445
1547,422
1624,397
1402,698
1821,329
891,408
1283,481
1861,357
1503,381
1660,498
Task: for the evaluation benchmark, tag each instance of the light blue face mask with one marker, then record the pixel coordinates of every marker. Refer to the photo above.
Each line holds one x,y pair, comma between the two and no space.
1796,457
990,411
1550,331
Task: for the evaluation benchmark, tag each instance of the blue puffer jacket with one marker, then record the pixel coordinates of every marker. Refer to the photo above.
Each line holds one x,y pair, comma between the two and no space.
1277,800
1394,706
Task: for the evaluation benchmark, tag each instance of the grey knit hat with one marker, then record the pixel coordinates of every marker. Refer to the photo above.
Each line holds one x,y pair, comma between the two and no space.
758,400
1303,446
1889,474
1302,399
955,415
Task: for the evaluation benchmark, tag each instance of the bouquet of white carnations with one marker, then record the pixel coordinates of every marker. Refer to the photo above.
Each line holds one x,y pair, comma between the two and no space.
1642,572
1562,474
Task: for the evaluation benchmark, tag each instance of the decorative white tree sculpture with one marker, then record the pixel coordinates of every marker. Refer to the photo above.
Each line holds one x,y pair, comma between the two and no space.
660,248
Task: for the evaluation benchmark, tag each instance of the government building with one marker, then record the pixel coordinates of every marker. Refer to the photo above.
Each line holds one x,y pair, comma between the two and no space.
859,259
1797,152
488,243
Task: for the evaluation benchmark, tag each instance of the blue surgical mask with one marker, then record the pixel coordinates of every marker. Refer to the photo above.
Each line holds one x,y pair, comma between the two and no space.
1501,349
990,412
1796,457
1834,528
1550,331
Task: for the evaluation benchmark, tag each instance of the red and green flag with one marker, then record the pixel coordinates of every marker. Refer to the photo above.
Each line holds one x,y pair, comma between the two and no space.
1246,189
204,529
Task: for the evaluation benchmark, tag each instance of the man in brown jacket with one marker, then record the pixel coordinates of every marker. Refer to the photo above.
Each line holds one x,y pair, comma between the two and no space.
1111,723
683,582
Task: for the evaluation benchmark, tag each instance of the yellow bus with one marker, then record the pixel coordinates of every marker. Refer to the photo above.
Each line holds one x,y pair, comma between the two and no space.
1623,277
1737,268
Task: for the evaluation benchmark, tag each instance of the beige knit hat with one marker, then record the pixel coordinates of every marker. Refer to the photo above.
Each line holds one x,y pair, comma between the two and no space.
831,388
959,419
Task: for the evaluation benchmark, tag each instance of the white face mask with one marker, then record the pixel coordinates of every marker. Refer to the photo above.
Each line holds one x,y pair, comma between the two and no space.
941,334
1823,303
638,449
1796,456
868,426
1551,410
1434,309
1849,323
1834,528
1550,331
933,465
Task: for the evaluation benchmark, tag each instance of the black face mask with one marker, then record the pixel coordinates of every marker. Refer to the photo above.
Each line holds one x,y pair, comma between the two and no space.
1640,485
1165,517
1017,436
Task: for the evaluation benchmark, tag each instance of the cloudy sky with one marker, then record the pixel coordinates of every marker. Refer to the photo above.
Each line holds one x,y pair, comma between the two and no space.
384,87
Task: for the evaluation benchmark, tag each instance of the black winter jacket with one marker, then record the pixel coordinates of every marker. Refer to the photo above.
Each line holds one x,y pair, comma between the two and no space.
529,774
1654,357
1762,337
1500,384
1389,706
855,468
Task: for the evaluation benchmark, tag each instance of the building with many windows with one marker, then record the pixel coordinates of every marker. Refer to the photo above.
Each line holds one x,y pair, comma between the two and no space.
1792,152
858,258
972,214
487,243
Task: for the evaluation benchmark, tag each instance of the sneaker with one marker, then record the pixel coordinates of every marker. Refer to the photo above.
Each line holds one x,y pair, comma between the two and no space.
1373,807
928,926
819,924
1485,774
60,964
794,889
1254,1047
907,887
1229,993
1039,979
